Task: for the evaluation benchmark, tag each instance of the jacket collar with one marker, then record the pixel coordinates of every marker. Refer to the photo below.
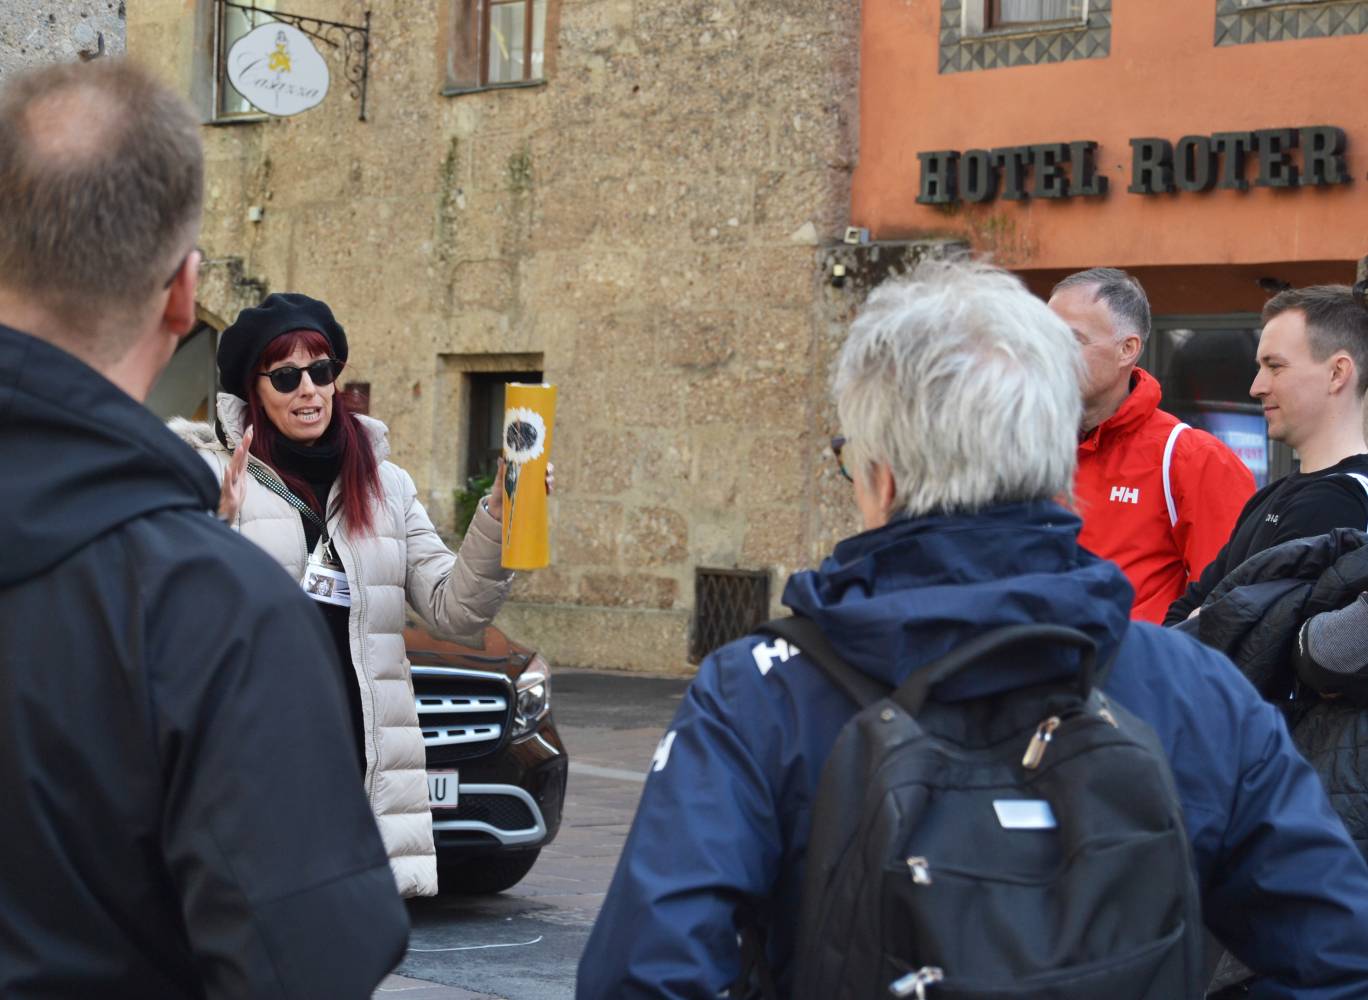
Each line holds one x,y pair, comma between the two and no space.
1138,406
80,457
896,598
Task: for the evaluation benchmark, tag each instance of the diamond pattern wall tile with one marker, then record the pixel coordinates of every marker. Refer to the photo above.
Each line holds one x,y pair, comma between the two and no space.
1239,25
959,54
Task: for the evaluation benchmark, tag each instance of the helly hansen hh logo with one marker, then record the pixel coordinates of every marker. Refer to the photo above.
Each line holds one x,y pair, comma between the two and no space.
765,655
1121,494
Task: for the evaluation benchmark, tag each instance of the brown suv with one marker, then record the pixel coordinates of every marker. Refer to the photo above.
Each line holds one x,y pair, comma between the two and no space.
496,765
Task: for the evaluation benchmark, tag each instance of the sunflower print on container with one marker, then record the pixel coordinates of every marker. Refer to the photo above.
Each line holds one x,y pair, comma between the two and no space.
530,412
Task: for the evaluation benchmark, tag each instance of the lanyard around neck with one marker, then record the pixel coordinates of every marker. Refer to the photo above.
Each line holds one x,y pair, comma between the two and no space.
279,489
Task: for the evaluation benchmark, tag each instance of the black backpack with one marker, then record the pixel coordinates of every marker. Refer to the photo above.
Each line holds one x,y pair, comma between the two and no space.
1029,844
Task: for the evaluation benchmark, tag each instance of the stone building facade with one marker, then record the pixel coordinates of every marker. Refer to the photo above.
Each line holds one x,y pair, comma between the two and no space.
652,228
41,31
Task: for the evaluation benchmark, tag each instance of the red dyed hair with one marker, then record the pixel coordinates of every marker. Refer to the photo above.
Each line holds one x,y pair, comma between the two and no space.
359,478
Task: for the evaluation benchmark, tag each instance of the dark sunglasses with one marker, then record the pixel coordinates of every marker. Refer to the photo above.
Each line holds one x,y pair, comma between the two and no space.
837,443
324,371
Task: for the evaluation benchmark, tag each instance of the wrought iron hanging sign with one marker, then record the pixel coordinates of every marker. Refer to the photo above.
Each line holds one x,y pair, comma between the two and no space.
277,68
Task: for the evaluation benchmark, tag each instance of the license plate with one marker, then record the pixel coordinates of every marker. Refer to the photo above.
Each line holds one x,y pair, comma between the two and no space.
444,789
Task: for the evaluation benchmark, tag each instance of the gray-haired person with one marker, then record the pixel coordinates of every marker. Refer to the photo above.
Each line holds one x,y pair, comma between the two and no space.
958,393
175,821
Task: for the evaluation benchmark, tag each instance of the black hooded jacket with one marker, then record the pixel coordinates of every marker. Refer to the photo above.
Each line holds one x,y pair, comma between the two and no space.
179,811
1254,616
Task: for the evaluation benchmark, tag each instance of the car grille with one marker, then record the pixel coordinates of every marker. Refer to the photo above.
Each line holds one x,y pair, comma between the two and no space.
463,714
503,812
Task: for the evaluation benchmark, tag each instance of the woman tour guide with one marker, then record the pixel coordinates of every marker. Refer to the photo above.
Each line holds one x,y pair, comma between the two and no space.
307,480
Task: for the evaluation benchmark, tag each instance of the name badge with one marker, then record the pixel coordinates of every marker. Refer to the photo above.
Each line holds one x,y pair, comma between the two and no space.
1024,814
325,579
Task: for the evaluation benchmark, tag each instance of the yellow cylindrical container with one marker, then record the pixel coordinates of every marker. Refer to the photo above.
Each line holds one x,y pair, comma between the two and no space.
529,412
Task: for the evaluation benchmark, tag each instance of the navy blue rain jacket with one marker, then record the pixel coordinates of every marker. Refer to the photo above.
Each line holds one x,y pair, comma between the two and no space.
726,811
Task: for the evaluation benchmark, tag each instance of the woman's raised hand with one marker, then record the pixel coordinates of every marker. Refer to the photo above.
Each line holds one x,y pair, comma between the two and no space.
234,480
496,492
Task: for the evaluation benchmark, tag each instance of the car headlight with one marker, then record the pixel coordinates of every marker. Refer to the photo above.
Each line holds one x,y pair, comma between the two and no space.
534,697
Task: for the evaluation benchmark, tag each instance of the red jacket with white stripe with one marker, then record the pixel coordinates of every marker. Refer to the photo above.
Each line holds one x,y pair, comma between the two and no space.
1157,497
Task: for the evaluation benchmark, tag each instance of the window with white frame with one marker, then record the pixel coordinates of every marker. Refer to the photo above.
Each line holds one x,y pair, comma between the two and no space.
988,15
232,20
494,43
1006,13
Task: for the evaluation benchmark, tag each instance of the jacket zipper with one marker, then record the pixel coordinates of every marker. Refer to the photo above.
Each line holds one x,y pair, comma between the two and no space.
358,604
1040,742
914,984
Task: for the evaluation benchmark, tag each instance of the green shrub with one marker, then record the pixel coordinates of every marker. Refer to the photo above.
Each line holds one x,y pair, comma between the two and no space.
464,502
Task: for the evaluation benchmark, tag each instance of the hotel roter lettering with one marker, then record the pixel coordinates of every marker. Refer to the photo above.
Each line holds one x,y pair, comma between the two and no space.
1289,158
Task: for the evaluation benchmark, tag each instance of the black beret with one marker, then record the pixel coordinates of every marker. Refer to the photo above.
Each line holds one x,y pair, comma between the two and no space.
280,312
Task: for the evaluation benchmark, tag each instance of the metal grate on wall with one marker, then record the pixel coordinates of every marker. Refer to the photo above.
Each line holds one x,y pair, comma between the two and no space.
728,603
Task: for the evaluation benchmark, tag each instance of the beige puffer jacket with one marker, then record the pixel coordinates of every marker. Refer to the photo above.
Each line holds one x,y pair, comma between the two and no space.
455,596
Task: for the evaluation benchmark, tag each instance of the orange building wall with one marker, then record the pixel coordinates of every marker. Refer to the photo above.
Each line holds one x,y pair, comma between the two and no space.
1164,78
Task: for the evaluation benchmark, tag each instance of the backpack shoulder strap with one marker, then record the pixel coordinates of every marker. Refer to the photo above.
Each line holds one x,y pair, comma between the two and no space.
1362,480
1168,462
807,637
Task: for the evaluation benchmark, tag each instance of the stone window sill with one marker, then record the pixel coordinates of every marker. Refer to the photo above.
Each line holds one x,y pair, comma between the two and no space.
238,120
516,85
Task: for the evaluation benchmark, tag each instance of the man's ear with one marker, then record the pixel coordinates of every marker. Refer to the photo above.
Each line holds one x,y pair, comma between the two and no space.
1342,373
885,488
1131,346
178,318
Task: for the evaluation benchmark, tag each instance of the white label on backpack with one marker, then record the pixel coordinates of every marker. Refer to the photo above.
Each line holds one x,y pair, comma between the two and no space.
1024,814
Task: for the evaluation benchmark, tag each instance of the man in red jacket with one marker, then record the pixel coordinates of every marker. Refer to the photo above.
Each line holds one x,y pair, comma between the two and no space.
1157,497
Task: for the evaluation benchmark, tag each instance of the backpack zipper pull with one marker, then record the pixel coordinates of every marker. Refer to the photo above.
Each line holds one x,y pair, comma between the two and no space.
1035,750
921,871
914,984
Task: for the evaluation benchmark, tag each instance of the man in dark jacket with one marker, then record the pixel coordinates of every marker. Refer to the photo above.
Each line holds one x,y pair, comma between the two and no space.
179,815
957,392
1313,373
1293,619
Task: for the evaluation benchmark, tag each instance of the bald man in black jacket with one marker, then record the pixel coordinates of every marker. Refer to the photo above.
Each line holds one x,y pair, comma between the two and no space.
179,812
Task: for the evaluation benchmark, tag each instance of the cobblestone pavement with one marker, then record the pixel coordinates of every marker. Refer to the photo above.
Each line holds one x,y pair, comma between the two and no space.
524,944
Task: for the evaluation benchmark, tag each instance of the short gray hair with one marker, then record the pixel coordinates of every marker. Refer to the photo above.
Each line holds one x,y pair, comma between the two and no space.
1123,296
965,385
101,186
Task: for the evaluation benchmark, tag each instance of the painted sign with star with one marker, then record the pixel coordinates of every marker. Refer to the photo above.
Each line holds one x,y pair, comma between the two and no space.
276,67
